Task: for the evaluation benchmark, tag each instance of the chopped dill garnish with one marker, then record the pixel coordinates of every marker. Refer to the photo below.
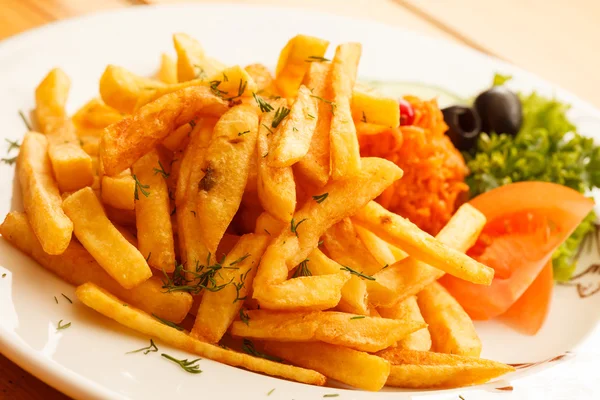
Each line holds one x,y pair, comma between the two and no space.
141,187
248,347
294,226
302,269
316,59
149,349
161,171
243,133
320,198
12,144
354,272
280,114
262,104
61,327
167,323
244,317
188,366
70,301
27,124
358,317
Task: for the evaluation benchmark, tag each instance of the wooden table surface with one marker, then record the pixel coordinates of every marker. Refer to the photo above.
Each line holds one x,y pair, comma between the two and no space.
556,39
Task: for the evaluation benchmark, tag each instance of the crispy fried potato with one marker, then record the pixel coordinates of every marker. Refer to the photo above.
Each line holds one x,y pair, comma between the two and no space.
76,266
153,213
276,185
420,245
354,293
292,140
424,369
167,73
119,191
120,217
91,145
369,107
95,115
344,246
355,331
409,310
352,367
41,198
225,172
71,165
120,88
264,80
314,166
105,243
408,277
179,138
366,128
125,142
345,151
268,224
293,246
294,60
218,309
451,328
110,306
384,253
192,61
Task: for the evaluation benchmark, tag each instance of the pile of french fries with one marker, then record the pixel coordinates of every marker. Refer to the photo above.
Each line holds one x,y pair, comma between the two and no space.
236,203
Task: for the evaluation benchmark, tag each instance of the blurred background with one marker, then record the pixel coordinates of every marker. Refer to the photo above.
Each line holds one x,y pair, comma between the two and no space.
555,39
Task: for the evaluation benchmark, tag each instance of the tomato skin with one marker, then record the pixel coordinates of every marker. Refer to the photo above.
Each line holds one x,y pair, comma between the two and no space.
526,250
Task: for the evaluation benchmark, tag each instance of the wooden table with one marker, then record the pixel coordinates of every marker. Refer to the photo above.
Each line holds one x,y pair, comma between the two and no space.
555,39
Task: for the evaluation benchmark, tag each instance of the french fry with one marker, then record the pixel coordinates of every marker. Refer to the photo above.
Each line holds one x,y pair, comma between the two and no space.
71,165
384,253
409,309
76,266
99,236
119,191
192,61
179,138
276,185
424,369
355,331
369,107
345,247
41,197
91,145
108,305
352,367
167,73
262,77
120,88
218,309
268,224
366,128
409,276
345,151
225,172
153,213
119,216
126,141
292,140
451,328
294,245
294,60
96,115
354,292
420,245
314,166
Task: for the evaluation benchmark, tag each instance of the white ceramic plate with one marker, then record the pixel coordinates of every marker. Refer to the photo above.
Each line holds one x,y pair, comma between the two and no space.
88,360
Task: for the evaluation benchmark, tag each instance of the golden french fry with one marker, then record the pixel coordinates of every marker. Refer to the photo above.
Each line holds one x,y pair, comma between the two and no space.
384,253
110,306
369,107
153,213
354,293
41,198
219,308
309,223
420,245
76,266
262,77
408,277
451,328
99,236
355,331
365,128
192,62
268,224
294,60
119,191
409,310
179,138
352,367
424,369
120,88
276,185
91,145
71,165
167,73
225,172
345,247
125,142
96,115
292,140
345,151
314,166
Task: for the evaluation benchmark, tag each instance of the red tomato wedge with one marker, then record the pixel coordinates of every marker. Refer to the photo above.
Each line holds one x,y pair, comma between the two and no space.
527,221
529,312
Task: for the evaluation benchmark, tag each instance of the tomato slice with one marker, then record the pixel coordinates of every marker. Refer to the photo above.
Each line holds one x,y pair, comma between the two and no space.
528,313
527,221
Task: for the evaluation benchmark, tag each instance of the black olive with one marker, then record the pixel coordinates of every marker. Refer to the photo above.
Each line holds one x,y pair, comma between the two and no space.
464,126
500,111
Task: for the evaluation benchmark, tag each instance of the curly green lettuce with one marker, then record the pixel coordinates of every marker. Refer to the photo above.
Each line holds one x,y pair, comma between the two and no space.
547,148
